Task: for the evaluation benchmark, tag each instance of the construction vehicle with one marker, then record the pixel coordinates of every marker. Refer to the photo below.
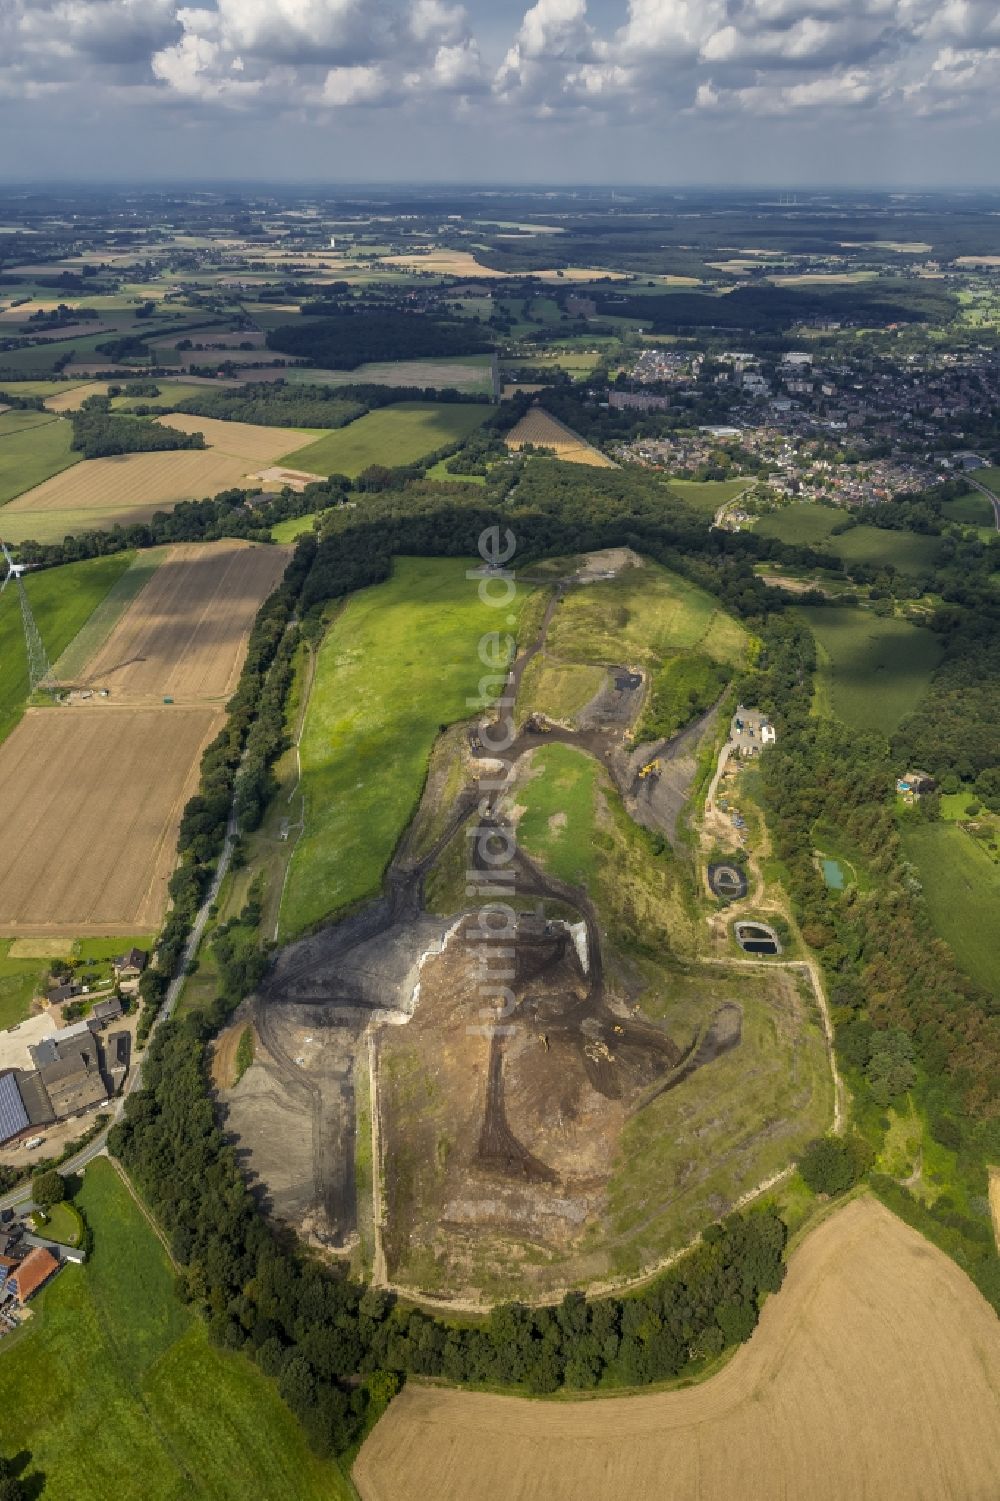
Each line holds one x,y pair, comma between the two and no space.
651,769
619,1030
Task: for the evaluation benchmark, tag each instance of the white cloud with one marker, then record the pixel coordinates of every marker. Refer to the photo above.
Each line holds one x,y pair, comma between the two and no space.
358,84
558,60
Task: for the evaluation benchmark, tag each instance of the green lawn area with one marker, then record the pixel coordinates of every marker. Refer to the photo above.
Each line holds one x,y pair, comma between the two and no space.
990,478
295,526
811,525
19,980
972,509
906,551
557,826
806,524
557,689
62,600
708,495
33,447
872,671
392,436
639,617
962,889
399,662
114,1390
62,1223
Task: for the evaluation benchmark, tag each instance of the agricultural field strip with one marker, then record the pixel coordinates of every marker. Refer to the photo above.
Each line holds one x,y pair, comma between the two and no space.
93,798
874,1372
241,440
542,430
128,487
186,632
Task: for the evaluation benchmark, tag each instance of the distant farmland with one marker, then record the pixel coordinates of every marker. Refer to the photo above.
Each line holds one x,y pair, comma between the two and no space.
129,487
33,447
873,1373
872,671
392,436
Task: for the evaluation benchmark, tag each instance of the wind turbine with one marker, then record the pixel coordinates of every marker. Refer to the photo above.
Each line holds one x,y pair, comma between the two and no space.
38,661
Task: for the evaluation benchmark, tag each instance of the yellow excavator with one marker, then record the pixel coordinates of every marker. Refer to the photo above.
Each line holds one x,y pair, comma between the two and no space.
651,769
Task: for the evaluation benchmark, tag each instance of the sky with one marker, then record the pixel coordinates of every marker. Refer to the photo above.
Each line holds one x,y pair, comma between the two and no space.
891,93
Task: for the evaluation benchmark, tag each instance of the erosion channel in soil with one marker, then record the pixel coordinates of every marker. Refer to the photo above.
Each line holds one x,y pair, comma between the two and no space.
475,1068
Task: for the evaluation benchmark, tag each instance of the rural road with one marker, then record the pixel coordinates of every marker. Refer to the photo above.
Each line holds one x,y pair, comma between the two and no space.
994,502
21,1197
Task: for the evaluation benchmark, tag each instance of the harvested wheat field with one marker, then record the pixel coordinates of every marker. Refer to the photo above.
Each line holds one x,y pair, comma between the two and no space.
72,399
126,488
185,633
92,803
873,1374
242,440
539,428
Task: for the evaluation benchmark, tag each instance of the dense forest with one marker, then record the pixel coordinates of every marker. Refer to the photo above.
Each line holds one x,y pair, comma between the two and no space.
98,434
768,309
351,339
276,405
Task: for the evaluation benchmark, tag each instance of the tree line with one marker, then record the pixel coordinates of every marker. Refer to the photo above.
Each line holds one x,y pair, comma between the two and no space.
335,1347
349,339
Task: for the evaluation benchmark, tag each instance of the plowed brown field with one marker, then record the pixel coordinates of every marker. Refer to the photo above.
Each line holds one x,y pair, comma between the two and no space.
92,801
185,634
873,1374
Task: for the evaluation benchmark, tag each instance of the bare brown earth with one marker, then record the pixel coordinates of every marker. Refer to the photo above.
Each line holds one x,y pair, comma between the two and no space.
223,1068
185,633
92,802
873,1374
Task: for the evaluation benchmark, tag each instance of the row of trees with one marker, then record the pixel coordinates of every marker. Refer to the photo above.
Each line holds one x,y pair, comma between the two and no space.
351,338
334,1346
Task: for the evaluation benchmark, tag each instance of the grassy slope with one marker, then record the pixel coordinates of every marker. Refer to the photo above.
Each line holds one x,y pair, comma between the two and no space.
557,826
391,436
296,526
972,509
812,524
399,662
708,495
62,599
31,452
115,1391
638,617
872,671
806,523
962,888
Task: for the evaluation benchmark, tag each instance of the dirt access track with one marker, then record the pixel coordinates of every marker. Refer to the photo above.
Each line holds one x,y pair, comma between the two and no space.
92,801
185,633
872,1375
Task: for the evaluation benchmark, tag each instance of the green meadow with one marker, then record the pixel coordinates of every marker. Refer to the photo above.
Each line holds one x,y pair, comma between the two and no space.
872,671
399,662
393,436
114,1390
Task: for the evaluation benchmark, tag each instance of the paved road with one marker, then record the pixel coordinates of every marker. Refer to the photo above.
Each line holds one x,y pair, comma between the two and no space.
994,502
21,1197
